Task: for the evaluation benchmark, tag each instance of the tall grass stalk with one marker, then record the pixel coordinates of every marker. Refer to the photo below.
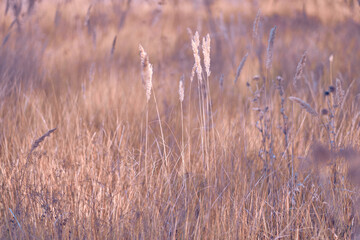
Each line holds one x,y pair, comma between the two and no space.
146,76
206,46
181,98
195,43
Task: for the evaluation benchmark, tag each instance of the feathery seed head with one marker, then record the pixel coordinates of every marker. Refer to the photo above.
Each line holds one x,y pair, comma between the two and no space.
181,89
206,53
304,105
143,54
241,65
256,24
193,72
195,43
339,97
270,48
299,69
146,72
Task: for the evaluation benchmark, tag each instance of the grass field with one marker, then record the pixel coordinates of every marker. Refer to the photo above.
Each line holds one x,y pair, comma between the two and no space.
179,119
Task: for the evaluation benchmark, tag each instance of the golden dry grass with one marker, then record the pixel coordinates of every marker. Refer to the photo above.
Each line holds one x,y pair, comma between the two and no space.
232,160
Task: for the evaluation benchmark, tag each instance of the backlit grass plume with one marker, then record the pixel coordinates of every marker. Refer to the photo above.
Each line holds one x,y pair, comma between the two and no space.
206,53
195,43
270,48
181,89
146,72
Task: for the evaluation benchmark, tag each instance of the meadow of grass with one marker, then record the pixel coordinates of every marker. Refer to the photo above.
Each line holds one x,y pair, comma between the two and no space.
237,120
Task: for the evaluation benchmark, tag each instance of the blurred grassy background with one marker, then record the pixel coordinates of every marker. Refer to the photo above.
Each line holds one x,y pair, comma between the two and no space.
75,65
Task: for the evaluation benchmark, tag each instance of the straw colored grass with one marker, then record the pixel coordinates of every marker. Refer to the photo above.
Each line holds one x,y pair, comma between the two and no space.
131,152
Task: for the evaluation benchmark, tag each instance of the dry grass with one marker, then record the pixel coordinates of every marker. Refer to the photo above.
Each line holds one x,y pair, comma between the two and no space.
188,159
304,105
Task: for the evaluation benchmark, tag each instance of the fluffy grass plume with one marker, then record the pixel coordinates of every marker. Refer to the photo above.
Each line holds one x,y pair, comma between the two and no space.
240,67
256,24
195,43
269,52
181,88
146,72
304,105
206,53
193,71
339,94
299,69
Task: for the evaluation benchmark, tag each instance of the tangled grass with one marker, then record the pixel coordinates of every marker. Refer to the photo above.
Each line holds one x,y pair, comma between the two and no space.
190,153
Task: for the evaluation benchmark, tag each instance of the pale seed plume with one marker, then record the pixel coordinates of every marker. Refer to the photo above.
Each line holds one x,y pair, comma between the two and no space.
241,66
195,43
256,24
304,105
270,48
300,69
193,72
146,72
206,53
181,89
